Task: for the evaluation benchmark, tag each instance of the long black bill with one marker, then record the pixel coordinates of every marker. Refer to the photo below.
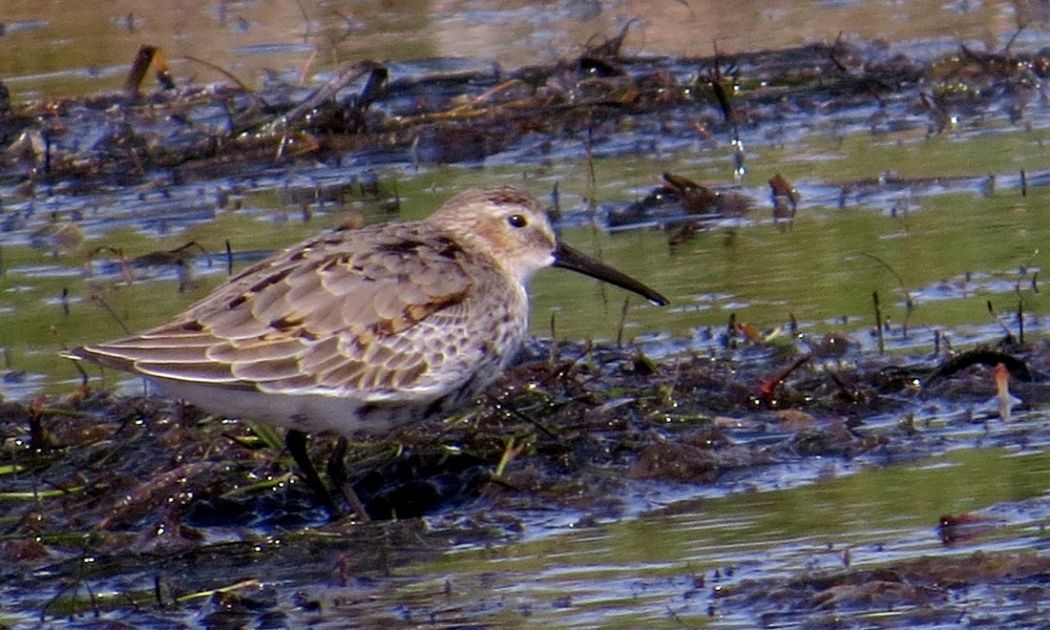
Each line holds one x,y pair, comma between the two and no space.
569,258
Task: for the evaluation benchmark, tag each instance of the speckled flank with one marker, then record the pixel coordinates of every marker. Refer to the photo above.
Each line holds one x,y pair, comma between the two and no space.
358,330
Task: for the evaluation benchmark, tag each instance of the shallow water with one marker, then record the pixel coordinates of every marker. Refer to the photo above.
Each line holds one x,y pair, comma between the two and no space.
670,571
953,234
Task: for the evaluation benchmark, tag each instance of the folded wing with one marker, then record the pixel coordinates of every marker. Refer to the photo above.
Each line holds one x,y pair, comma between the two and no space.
351,314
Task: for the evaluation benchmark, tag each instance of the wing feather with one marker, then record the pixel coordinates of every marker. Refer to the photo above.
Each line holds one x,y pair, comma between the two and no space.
204,372
340,315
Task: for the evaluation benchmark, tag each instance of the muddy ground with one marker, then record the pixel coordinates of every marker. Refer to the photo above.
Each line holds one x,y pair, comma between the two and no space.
142,508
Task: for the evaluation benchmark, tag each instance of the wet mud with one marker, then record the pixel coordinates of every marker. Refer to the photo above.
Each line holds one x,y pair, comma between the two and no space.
143,508
173,134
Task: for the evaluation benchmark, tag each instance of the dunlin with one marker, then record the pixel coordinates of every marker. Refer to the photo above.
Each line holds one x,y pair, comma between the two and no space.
363,330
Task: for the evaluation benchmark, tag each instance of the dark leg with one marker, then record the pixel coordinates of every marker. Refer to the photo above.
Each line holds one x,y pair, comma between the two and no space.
295,440
337,473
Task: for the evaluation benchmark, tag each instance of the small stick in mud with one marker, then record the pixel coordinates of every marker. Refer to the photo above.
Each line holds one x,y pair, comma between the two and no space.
5,97
157,593
83,373
833,55
768,387
139,66
1020,321
995,318
37,436
878,321
611,46
552,358
909,304
503,406
714,80
555,209
592,179
623,321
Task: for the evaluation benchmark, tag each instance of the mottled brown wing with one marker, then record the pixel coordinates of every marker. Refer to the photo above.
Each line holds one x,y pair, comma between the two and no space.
338,315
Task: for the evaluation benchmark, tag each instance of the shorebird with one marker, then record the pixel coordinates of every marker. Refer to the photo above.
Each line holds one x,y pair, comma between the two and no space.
363,330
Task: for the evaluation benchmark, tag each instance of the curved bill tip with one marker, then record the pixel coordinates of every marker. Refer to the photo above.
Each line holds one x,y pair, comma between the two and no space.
569,258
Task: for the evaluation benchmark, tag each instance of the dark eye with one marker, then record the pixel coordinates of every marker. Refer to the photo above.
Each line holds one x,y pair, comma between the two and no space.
517,220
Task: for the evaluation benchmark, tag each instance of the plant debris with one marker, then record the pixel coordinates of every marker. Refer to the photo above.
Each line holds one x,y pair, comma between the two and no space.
147,488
